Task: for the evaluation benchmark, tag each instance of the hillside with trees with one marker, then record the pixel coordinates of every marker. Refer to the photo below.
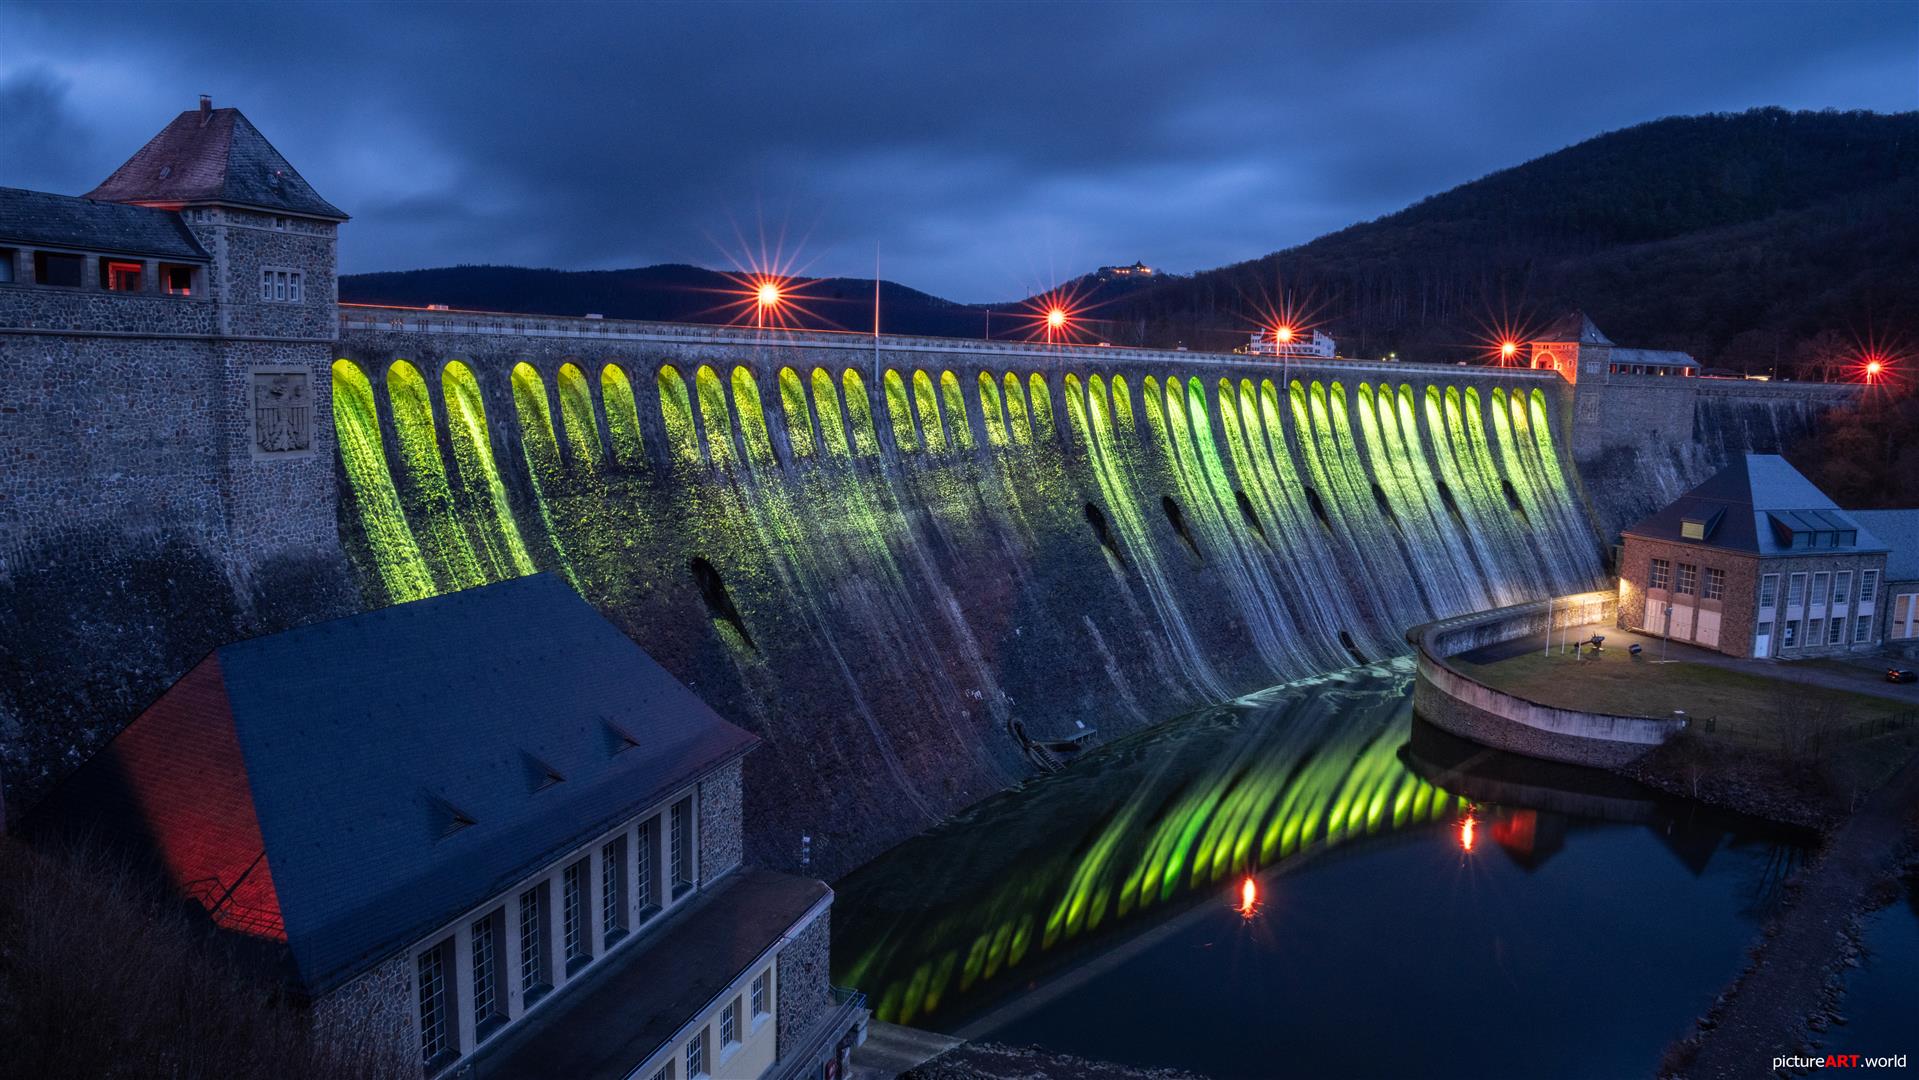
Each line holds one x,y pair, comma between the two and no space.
1766,241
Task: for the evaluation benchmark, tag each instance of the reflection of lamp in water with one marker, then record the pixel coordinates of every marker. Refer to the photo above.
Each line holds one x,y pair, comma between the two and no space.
1248,897
1468,830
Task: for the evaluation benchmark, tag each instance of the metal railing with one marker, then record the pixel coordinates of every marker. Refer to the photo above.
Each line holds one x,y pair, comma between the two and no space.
848,1011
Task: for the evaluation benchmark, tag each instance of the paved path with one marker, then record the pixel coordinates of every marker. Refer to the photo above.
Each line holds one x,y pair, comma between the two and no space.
1869,678
890,1050
1765,1014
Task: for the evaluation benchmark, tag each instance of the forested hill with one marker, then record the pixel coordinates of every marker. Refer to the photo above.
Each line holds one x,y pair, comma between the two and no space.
1746,239
1759,240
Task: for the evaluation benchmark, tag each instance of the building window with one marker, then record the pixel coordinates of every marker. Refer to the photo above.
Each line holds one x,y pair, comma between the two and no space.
282,286
533,977
664,1072
120,276
1862,630
1715,584
760,994
1868,585
730,1023
1904,621
1769,590
1796,590
1792,634
644,876
176,280
682,844
1765,630
1815,631
53,268
1836,630
696,1055
437,1041
1688,579
488,1013
1841,586
573,888
613,889
9,258
1819,583
1661,575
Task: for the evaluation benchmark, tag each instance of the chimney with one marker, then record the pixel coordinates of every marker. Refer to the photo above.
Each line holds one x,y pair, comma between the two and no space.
206,104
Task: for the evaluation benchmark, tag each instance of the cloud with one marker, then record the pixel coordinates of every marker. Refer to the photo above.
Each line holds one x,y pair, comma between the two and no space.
984,147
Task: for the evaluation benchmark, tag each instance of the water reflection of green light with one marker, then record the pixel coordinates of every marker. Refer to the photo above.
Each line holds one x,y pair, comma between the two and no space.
1162,817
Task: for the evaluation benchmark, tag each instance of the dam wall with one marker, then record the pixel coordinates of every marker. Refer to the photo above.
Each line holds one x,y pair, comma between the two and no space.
926,571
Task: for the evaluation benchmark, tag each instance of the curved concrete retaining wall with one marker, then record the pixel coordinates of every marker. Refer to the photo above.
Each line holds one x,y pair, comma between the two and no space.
1451,701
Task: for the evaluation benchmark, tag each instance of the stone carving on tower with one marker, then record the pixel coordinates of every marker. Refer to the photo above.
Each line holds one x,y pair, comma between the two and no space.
282,412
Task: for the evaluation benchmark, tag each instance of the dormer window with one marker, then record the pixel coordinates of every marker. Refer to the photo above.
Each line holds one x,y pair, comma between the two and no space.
176,280
121,276
1699,525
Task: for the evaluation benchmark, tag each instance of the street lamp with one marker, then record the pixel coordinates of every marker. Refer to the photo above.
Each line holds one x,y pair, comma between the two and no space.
1507,350
767,297
1055,321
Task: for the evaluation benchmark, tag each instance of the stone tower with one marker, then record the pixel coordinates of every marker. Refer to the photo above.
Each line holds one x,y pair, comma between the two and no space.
272,242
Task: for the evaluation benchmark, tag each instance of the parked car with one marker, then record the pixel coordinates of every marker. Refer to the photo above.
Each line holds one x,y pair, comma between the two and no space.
1901,675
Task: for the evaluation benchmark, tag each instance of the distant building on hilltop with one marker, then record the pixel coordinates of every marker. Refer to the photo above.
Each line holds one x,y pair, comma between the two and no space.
1758,562
486,825
1137,270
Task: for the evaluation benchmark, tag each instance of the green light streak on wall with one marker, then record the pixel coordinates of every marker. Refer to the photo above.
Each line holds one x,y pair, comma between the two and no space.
576,416
1149,399
396,554
1042,407
900,411
440,525
799,419
826,402
960,427
676,415
989,407
542,451
715,417
489,513
1016,421
859,410
746,402
1123,407
622,416
1075,399
927,404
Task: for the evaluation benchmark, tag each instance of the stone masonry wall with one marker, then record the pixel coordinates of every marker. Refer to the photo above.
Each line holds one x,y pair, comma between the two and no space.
374,1013
804,987
722,835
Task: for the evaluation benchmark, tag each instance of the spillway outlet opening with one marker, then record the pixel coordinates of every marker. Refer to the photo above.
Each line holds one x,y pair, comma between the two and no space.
1446,496
1352,649
1252,519
1385,506
1178,521
719,603
1319,508
1512,499
1096,518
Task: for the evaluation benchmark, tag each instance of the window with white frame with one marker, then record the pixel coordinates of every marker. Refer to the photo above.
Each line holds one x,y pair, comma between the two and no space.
762,983
681,840
282,286
1769,590
613,889
1795,590
1715,584
1862,630
534,979
1815,631
1688,578
489,1008
438,1038
730,1023
1819,583
1842,587
1661,576
1790,636
696,1054
645,872
664,1072
1836,630
1868,585
573,915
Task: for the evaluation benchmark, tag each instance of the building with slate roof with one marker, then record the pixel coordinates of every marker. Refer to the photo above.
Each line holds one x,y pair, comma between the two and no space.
1899,531
490,823
1758,562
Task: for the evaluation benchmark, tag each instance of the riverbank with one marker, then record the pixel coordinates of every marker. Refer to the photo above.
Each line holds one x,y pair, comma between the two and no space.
1787,999
993,1061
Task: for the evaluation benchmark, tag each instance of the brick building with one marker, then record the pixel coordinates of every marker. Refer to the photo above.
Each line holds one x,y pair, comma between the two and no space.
485,825
1758,562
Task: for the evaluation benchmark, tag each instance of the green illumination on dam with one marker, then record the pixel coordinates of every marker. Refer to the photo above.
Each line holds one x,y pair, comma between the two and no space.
622,416
576,417
396,554
436,519
676,416
489,516
799,421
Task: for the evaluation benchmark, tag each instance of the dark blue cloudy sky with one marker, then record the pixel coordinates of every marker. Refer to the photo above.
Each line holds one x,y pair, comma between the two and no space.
988,148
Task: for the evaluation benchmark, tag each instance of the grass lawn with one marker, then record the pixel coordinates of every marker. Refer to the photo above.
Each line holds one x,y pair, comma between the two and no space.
1744,707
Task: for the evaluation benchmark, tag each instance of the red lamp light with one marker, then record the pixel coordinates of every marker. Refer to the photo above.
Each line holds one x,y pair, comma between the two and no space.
1283,334
1507,349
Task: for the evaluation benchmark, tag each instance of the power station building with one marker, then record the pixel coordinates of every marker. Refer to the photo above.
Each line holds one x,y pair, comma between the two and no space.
486,827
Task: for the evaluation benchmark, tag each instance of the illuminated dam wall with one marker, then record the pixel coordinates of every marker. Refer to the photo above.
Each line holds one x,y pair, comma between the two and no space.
911,571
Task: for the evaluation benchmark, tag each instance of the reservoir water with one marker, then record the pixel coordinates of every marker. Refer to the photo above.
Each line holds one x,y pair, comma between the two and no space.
1417,905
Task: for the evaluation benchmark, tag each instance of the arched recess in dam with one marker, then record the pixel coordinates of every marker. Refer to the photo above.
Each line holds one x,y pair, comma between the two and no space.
940,566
